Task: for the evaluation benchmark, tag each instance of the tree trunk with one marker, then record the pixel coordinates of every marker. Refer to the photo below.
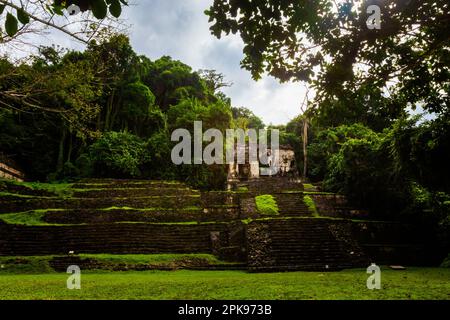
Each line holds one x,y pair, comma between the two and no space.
305,150
69,152
304,108
99,120
60,163
116,111
109,110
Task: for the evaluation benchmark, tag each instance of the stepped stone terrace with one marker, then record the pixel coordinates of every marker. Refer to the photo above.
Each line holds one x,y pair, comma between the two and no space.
306,230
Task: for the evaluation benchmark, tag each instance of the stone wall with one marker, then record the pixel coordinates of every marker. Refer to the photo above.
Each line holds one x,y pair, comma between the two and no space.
259,247
334,205
8,172
393,243
251,169
286,161
329,244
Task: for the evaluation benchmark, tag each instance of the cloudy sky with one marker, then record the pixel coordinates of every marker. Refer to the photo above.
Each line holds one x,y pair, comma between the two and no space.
180,28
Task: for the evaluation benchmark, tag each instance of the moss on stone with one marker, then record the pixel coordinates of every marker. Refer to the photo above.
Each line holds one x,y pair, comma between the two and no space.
62,190
319,193
117,208
189,208
28,218
311,205
59,189
242,189
267,205
18,195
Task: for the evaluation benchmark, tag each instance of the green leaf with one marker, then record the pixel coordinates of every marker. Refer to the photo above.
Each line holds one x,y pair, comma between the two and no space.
49,8
115,8
99,9
58,9
2,7
23,16
11,25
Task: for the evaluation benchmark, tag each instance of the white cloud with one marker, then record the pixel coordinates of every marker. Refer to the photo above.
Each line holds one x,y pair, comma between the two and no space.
180,29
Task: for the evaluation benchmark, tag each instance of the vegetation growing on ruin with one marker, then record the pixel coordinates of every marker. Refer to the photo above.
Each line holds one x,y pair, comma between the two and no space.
29,218
242,189
309,187
36,218
267,205
309,201
191,208
377,133
374,127
59,189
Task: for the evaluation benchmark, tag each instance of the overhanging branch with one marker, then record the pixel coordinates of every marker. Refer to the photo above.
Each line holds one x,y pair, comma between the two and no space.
47,23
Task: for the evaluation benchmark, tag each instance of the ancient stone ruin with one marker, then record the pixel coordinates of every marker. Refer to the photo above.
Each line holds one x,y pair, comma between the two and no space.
134,217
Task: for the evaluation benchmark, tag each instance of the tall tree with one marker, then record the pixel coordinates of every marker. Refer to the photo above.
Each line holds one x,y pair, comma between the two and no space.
171,81
214,80
245,118
329,44
117,67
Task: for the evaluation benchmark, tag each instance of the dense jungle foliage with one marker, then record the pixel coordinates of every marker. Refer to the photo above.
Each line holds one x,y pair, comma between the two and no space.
366,137
379,124
108,112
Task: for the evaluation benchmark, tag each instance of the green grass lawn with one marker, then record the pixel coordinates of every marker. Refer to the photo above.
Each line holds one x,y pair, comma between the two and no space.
413,283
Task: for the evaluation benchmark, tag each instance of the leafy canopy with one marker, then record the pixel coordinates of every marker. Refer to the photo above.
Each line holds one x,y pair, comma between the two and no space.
328,44
18,16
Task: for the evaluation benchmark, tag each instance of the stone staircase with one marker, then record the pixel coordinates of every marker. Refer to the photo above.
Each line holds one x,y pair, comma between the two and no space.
297,244
291,204
271,185
296,240
288,193
123,238
146,217
121,217
334,205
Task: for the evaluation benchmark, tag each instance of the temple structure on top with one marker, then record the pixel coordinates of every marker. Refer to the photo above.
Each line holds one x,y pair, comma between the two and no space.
284,157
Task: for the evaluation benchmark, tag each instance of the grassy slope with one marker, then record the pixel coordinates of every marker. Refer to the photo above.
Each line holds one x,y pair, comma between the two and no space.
414,283
59,189
40,264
